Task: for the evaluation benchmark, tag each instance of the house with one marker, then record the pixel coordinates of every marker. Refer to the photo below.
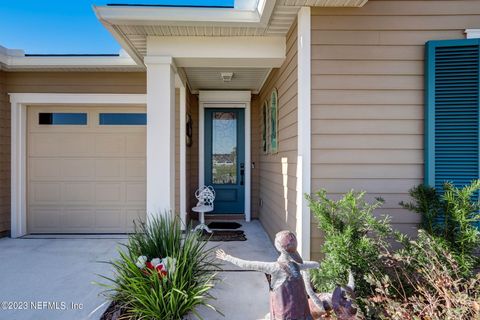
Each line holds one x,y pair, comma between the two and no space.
375,95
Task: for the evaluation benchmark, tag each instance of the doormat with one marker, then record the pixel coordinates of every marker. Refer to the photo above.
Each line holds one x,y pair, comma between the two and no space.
221,235
224,225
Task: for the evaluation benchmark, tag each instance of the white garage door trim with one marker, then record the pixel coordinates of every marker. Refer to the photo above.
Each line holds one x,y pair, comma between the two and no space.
19,103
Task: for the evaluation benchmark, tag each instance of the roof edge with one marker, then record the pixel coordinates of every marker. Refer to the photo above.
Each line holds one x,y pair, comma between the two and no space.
12,60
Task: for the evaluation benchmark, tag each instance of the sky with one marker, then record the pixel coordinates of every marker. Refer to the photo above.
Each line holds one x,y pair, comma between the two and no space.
66,26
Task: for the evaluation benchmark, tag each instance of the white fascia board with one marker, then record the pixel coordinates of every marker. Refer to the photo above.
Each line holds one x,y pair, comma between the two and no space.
247,14
129,15
6,54
123,41
56,61
220,51
16,59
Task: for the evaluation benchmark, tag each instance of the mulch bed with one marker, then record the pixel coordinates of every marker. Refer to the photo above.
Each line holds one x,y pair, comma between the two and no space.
113,312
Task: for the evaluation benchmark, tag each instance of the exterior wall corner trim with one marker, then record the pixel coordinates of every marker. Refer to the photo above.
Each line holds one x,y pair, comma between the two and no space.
304,131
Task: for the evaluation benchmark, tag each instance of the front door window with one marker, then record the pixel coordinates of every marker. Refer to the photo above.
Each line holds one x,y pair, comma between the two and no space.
224,148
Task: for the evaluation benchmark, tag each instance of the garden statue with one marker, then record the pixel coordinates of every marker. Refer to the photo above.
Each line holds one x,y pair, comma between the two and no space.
290,285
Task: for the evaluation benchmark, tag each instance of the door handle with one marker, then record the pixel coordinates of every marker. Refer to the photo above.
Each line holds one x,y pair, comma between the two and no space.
242,173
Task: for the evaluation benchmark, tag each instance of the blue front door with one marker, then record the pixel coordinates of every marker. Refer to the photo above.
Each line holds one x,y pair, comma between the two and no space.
225,158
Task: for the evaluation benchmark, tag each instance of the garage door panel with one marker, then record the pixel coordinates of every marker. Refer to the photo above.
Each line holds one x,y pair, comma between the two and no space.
110,145
110,218
76,145
134,214
44,218
85,178
110,169
78,192
45,169
44,145
78,219
136,169
45,192
136,192
135,145
77,169
109,192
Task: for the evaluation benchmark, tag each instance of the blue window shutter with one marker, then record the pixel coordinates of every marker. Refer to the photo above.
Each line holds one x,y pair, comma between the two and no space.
452,112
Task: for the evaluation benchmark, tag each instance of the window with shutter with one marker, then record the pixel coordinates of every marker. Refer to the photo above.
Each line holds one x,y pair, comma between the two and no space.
452,112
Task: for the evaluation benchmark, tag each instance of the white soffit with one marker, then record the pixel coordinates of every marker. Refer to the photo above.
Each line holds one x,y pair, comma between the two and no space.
211,79
132,25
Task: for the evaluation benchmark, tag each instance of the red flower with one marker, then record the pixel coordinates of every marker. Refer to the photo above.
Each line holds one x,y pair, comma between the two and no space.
161,270
149,265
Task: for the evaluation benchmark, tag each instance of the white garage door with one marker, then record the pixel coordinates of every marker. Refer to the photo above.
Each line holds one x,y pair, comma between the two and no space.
85,169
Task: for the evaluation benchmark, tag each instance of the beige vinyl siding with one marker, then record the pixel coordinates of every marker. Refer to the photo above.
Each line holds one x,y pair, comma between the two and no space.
277,185
256,150
77,82
192,151
367,97
4,157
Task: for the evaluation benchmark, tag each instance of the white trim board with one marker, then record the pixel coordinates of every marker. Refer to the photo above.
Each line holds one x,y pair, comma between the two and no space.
218,52
472,33
227,99
304,166
19,103
183,155
15,59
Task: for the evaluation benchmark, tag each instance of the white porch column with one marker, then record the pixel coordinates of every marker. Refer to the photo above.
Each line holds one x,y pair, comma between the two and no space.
160,135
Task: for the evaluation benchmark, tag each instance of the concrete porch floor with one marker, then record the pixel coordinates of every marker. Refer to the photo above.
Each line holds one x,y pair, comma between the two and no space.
62,270
240,294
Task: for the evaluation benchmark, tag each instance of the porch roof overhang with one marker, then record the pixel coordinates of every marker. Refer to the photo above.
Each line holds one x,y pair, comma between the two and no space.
133,26
247,40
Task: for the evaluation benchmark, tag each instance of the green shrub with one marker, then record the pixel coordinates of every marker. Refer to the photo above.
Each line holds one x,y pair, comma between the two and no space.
421,281
451,216
353,238
142,293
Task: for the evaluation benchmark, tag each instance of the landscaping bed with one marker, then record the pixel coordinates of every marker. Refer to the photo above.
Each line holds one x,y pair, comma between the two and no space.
162,273
433,276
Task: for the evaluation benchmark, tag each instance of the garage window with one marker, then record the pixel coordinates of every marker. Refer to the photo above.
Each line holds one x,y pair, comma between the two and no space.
57,118
123,119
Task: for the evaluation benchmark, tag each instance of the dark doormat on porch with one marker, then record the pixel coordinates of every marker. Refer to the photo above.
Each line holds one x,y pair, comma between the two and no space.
224,225
224,235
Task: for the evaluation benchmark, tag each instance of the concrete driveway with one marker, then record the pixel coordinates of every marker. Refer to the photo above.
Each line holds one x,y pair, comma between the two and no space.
52,278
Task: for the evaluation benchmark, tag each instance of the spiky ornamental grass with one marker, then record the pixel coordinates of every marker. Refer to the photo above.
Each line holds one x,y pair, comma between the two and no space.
145,295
